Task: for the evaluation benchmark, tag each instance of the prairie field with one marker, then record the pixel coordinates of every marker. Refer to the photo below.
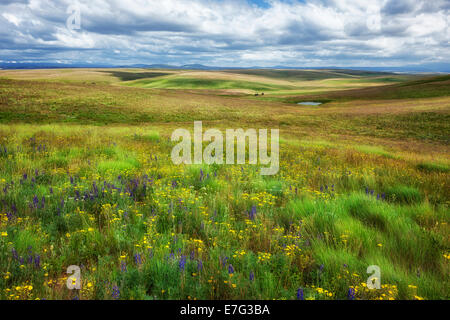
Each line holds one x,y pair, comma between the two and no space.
87,180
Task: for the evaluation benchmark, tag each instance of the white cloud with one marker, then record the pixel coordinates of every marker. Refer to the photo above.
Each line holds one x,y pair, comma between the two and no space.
12,18
325,32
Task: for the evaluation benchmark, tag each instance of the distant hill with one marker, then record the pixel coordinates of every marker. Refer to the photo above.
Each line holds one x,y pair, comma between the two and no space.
425,68
427,87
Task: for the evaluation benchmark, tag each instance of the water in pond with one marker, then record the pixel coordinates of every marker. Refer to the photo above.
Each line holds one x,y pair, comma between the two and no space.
310,103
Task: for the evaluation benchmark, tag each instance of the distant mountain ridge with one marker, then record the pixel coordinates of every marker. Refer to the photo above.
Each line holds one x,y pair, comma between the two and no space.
424,68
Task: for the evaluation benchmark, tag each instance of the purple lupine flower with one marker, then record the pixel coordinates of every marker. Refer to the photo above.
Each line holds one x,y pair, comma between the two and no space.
300,294
37,261
182,262
199,265
123,266
115,293
14,254
137,258
351,294
224,261
252,213
35,201
252,276
230,269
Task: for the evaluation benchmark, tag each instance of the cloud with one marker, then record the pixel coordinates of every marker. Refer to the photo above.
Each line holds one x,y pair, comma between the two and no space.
229,33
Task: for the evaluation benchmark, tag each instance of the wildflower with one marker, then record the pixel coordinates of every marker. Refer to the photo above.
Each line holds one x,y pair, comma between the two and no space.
252,276
4,234
252,213
351,294
224,261
37,261
137,258
230,269
35,201
182,262
116,293
300,294
14,252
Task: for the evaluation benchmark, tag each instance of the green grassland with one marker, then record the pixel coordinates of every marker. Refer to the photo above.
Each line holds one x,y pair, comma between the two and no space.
196,83
86,179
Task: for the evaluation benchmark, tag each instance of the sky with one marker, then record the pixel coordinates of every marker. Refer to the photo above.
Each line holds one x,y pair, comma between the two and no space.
227,33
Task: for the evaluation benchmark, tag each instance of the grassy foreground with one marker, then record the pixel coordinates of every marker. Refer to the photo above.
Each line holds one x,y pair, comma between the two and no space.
86,179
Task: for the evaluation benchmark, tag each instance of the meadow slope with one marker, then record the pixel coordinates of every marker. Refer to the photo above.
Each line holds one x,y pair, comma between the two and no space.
86,179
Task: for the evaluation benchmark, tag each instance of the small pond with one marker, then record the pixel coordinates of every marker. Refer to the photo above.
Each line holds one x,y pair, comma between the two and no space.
310,103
